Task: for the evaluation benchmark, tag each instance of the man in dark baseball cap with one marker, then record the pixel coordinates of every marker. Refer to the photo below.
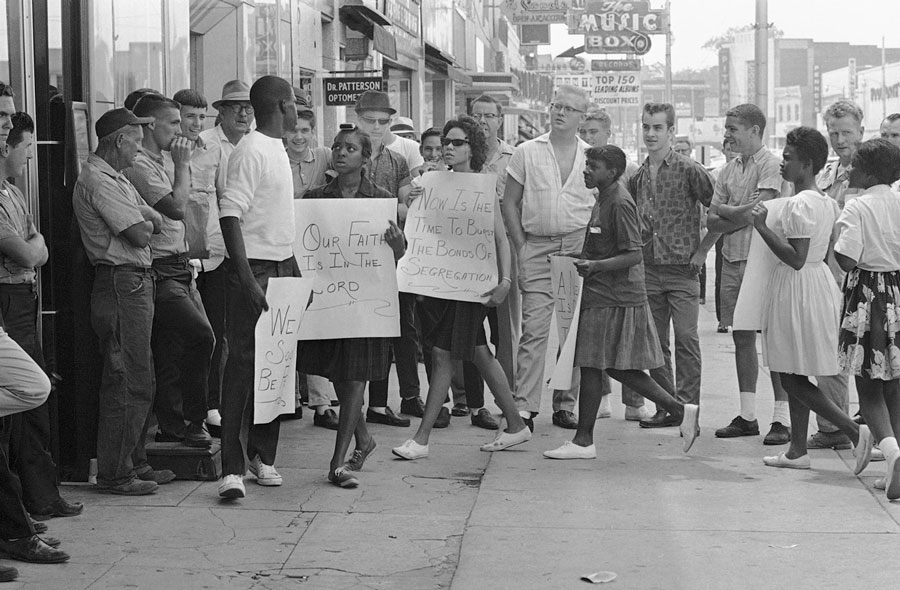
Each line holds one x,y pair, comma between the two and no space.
112,121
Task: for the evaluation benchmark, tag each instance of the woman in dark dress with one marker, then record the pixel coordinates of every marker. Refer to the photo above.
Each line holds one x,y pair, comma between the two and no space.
455,329
350,363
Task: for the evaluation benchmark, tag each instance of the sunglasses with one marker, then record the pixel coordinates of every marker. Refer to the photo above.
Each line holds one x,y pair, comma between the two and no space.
455,142
372,120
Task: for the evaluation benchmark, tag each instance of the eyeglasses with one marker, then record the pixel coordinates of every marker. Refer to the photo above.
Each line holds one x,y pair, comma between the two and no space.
372,120
484,116
564,108
455,142
236,108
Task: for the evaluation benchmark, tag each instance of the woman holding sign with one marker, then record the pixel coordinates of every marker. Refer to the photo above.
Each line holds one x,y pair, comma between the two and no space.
455,329
351,362
616,332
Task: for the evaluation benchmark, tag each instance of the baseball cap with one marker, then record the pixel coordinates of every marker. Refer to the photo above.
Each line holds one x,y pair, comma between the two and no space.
112,121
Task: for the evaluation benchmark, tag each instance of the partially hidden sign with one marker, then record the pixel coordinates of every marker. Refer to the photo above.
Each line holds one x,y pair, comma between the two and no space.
275,355
345,91
450,233
355,292
566,285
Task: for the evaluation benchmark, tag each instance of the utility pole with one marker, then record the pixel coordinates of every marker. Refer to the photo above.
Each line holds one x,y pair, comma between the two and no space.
762,56
883,83
669,96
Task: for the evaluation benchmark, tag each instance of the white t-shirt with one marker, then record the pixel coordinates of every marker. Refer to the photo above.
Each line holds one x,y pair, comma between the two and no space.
259,191
409,149
869,230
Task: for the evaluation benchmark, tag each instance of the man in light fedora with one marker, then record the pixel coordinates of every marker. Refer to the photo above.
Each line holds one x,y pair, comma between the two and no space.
236,119
403,128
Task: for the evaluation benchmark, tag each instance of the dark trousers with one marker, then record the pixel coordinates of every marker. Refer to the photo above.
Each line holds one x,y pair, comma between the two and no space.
14,521
183,344
237,389
122,318
29,439
404,350
719,258
211,285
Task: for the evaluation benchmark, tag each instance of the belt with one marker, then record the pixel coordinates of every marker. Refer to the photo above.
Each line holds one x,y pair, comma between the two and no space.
124,268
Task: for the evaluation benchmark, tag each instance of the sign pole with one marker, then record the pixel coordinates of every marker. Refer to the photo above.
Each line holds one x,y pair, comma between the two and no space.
668,53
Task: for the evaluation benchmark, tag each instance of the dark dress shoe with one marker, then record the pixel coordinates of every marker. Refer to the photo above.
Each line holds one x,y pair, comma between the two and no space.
443,418
165,437
779,434
327,419
8,573
661,419
196,435
459,410
413,406
565,419
389,418
52,541
483,419
39,527
60,507
33,550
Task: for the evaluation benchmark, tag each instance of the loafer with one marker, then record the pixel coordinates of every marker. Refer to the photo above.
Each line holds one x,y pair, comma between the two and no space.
59,508
33,550
196,436
637,414
232,486
739,427
570,450
358,458
483,419
828,440
459,410
506,440
780,460
411,450
343,478
413,406
8,573
690,425
166,437
661,419
135,487
565,419
443,418
389,418
778,434
863,450
327,419
160,477
892,482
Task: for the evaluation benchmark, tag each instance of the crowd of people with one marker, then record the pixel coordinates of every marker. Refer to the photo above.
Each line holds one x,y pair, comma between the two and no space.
185,226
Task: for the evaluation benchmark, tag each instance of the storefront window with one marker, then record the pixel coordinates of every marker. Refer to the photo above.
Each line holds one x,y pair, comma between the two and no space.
139,47
266,38
11,46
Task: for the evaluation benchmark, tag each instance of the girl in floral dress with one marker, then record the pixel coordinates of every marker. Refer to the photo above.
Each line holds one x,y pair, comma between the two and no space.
868,248
800,314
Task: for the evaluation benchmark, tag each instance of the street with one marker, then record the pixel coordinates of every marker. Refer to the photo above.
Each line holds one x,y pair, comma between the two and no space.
713,519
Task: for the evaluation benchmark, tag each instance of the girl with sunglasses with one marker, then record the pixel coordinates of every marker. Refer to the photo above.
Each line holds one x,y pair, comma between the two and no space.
455,329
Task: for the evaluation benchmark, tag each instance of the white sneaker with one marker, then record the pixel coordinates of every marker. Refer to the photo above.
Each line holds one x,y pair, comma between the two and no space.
690,425
604,411
570,450
232,486
637,414
213,418
411,450
265,474
506,440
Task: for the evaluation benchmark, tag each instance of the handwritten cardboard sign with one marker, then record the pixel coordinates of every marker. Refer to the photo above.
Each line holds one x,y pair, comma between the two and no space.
274,366
450,232
566,288
342,241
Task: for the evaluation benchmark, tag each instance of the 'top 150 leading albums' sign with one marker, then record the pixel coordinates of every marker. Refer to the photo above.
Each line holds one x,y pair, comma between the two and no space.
345,91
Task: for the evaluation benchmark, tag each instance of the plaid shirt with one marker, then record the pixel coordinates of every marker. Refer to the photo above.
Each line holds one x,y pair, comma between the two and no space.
670,217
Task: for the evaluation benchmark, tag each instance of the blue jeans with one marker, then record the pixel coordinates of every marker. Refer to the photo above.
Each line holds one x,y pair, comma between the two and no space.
237,388
122,318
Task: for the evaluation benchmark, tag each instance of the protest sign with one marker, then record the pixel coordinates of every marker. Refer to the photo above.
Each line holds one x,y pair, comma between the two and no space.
274,365
761,262
566,288
355,293
450,232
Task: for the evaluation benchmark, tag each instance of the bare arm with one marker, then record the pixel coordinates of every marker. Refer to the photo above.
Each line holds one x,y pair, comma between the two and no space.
138,235
845,262
512,207
173,205
150,214
234,244
28,253
621,260
791,251
499,293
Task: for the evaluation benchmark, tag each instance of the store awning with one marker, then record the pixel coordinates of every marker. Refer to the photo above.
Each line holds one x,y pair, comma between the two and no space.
370,23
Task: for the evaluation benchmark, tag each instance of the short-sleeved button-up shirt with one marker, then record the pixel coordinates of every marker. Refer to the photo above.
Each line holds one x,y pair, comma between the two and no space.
834,181
497,165
105,204
13,223
389,171
738,184
550,207
153,182
670,217
309,172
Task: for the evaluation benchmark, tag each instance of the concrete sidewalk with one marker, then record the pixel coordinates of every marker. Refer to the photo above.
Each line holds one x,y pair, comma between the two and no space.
714,519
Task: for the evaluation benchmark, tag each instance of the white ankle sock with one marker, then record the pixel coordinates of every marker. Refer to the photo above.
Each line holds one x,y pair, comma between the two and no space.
474,410
782,413
888,446
525,414
748,405
378,410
